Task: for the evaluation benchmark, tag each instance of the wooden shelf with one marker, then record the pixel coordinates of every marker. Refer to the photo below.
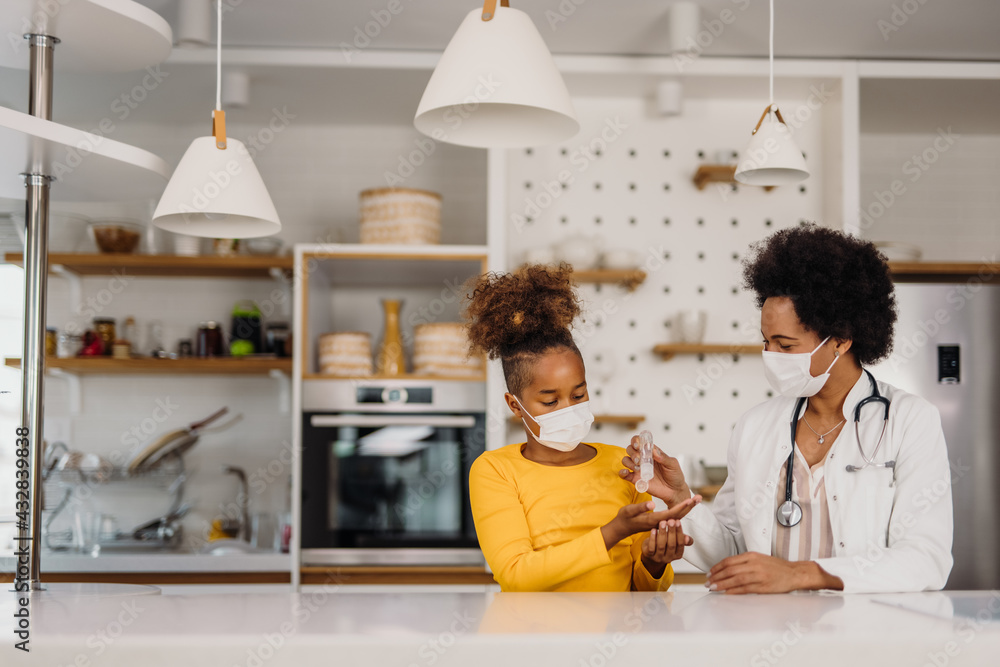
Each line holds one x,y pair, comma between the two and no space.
944,272
669,350
208,266
627,278
150,366
718,173
628,421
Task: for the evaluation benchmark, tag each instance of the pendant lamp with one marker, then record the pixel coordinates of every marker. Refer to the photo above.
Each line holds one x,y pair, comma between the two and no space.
496,86
216,190
771,158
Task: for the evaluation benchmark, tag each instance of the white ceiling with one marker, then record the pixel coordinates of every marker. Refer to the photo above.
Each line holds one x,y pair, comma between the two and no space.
936,29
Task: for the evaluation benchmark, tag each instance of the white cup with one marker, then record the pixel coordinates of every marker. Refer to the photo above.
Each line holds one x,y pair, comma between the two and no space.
186,245
690,325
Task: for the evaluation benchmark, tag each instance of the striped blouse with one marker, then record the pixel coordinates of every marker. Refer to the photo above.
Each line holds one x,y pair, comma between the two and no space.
812,537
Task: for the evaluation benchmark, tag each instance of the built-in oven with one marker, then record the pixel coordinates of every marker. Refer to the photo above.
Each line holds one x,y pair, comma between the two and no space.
385,471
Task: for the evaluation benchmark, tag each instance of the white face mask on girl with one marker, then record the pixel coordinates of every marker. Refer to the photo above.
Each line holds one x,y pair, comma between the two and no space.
562,430
789,374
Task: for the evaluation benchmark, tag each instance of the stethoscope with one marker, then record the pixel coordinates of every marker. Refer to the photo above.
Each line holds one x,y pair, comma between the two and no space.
789,513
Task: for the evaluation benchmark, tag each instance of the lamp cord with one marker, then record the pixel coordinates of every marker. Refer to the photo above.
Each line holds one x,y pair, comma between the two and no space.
770,60
218,58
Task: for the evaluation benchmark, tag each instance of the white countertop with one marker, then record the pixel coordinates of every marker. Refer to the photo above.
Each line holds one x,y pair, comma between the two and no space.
339,626
157,562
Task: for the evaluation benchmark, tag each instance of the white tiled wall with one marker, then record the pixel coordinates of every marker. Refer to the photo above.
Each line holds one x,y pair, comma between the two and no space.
938,192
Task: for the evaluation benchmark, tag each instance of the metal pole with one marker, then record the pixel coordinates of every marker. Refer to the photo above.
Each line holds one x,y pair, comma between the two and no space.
36,240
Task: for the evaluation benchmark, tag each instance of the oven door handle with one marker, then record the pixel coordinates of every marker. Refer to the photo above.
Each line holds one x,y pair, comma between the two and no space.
376,421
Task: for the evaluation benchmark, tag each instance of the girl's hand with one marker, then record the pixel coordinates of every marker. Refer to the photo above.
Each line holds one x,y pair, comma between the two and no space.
639,518
668,483
664,545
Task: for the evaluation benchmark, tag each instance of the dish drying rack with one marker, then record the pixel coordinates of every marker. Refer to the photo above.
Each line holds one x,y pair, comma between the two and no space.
161,533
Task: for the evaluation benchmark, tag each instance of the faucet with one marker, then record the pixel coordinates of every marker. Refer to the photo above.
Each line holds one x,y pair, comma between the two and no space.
244,500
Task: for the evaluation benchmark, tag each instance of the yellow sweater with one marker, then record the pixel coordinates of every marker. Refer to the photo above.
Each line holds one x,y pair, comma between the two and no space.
539,526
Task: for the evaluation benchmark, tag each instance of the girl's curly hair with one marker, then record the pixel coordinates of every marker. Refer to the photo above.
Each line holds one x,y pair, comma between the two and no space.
517,317
840,285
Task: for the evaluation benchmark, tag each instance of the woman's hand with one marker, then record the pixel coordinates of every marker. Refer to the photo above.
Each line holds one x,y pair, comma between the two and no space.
668,483
664,545
639,517
753,572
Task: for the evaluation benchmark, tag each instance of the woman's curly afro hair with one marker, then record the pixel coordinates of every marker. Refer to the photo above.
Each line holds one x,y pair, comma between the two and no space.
840,285
519,316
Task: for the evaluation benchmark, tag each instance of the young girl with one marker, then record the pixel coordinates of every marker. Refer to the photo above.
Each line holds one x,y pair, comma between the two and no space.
552,513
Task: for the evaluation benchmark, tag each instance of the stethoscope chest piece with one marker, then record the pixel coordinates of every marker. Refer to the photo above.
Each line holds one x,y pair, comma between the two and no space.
789,513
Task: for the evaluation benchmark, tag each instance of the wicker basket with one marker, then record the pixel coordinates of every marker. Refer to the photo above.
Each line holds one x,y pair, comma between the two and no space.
400,216
442,348
345,354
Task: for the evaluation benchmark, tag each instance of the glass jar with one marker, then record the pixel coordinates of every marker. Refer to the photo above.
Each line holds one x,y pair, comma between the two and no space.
68,345
121,349
51,344
277,339
105,328
209,340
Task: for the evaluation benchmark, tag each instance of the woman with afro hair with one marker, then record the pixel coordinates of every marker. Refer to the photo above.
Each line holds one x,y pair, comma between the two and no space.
552,513
868,507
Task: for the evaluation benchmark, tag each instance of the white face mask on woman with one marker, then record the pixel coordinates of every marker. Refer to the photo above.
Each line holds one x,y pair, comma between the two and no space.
789,374
562,430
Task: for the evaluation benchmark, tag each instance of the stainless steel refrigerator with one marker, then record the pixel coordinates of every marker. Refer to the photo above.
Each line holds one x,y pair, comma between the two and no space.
947,349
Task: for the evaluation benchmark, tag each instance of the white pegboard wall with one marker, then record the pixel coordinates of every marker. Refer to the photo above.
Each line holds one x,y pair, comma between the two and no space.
626,180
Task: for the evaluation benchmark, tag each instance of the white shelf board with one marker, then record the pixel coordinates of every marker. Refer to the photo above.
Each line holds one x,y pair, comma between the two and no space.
85,167
94,35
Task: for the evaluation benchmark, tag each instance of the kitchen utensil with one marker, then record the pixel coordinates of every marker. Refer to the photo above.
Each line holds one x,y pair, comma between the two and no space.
264,532
278,339
400,216
186,245
121,349
105,327
245,335
263,246
243,501
176,442
67,232
67,345
116,236
209,341
161,528
690,325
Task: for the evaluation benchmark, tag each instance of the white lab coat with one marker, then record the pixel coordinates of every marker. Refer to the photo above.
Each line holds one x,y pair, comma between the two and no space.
892,529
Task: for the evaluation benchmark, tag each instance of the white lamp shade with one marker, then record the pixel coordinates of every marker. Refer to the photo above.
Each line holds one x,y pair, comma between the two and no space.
217,193
496,86
771,157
